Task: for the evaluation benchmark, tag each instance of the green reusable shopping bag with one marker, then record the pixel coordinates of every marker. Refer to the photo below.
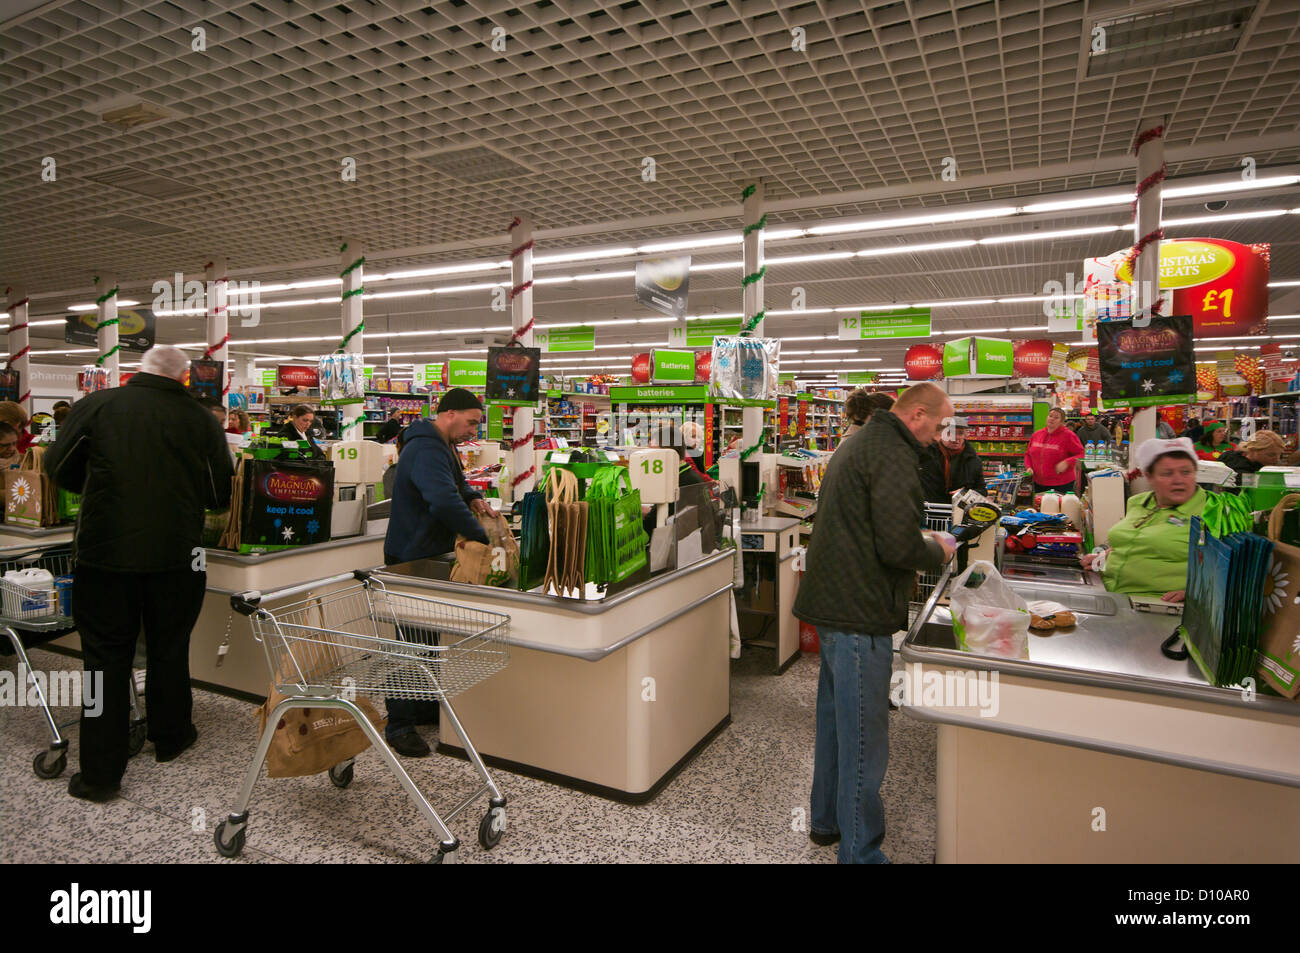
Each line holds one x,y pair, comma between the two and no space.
1226,513
616,538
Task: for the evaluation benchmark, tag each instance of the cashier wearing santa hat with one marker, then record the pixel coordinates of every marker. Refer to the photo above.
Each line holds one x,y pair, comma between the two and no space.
1147,555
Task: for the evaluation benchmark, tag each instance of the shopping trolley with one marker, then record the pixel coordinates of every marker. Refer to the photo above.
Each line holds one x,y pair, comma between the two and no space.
34,614
937,517
978,520
363,639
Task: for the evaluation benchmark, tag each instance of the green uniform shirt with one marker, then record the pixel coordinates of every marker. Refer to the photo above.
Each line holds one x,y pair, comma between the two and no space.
1149,546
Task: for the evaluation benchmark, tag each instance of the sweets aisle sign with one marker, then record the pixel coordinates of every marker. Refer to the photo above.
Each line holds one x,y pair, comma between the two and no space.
1147,367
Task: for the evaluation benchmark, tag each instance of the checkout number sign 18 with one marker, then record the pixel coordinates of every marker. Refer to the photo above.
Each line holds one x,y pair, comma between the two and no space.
652,466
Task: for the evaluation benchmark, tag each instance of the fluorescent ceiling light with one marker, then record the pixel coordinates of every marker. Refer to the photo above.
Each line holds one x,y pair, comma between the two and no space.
622,252
953,304
1202,219
687,243
1046,236
92,307
904,249
1114,198
800,259
1284,284
1231,185
934,218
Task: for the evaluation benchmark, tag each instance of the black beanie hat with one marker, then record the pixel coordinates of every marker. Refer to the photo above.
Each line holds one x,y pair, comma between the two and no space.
458,398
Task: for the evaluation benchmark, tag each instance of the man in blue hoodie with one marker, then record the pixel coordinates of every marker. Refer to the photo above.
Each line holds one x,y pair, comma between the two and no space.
432,504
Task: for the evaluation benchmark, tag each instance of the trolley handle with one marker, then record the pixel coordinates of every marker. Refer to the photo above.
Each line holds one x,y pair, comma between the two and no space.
248,602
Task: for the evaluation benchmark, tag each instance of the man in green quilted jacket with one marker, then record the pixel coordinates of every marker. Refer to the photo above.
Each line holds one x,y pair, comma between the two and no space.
866,550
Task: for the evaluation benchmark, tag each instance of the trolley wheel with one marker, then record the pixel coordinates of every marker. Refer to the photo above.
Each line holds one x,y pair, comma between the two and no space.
341,775
492,827
448,853
236,844
136,740
46,768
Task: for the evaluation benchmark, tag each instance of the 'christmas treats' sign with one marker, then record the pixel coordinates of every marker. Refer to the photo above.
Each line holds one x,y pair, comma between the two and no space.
1144,367
1222,285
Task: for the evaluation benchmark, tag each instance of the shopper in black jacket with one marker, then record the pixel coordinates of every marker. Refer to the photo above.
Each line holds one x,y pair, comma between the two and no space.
866,550
949,465
298,427
147,460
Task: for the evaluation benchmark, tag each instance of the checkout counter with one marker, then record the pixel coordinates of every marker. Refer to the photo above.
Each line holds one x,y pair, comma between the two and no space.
36,537
612,695
1098,748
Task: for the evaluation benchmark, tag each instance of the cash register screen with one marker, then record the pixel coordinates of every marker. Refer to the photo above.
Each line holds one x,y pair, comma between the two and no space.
750,482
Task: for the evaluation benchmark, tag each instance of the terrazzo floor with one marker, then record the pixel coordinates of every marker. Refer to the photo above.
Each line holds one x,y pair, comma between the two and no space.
735,803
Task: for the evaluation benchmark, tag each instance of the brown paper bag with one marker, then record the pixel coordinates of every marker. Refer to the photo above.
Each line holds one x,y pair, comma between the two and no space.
561,489
1279,644
31,498
495,563
312,740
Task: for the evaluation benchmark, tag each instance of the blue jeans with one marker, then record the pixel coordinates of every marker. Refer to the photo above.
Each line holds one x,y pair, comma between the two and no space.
852,747
405,713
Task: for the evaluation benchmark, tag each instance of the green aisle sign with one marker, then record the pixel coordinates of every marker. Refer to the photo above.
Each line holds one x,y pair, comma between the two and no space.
428,374
467,373
977,357
672,367
850,378
659,395
899,323
496,422
702,333
577,338
268,377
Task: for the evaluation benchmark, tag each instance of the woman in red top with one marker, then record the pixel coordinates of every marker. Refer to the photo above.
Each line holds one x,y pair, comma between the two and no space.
1054,454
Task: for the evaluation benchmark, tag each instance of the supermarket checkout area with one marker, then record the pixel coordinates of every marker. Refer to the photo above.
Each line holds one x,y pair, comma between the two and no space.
1098,748
610,693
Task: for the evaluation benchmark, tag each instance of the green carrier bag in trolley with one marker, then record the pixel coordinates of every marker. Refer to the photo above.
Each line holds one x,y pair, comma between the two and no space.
616,539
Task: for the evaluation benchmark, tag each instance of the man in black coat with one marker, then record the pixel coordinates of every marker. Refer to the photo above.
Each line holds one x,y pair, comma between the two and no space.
147,459
866,550
949,465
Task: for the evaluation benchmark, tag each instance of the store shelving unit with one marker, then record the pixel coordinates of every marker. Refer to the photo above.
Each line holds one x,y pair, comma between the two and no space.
1000,427
575,417
824,420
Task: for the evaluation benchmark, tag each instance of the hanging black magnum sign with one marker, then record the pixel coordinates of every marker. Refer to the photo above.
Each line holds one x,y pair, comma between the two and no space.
1147,366
512,374
136,328
663,284
205,377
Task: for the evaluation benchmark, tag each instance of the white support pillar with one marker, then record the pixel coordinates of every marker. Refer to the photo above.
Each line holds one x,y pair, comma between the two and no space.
523,476
752,212
351,265
216,297
1146,269
106,328
19,339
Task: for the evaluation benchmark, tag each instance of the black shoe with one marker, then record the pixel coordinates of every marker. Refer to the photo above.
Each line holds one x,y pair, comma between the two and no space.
90,792
410,745
163,753
823,840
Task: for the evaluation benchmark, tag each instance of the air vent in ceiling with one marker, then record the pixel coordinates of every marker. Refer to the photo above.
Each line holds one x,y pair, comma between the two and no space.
136,226
144,183
1186,31
475,165
134,115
